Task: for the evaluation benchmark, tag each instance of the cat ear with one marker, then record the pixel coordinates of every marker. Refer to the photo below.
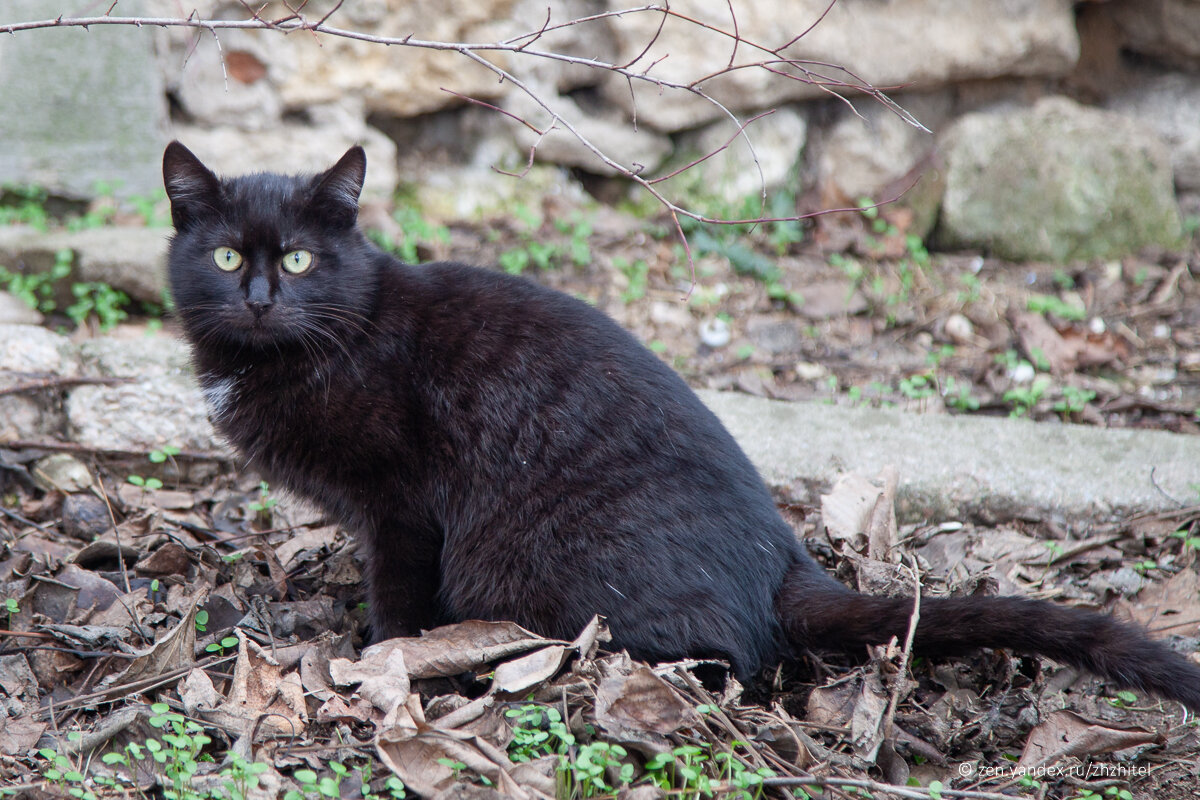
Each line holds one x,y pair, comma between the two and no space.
336,195
191,186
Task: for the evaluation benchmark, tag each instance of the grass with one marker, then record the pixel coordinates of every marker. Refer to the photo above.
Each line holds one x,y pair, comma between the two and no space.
92,300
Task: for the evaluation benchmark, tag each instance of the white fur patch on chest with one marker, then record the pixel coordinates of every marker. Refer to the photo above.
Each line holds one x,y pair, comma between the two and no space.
219,395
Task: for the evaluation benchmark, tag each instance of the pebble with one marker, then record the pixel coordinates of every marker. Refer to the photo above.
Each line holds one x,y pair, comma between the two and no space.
959,329
61,472
715,332
84,516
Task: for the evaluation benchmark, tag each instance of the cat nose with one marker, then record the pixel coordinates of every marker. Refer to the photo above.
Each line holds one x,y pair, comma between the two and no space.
258,296
259,307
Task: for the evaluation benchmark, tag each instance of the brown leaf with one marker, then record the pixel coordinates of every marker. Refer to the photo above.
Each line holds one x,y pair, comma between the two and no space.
175,649
455,649
305,545
1065,734
542,665
170,559
261,698
641,701
530,670
1170,607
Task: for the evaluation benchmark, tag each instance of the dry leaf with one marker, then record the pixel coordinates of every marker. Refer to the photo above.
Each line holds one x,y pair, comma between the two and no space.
176,649
530,670
1065,734
261,699
859,513
455,649
641,701
1170,607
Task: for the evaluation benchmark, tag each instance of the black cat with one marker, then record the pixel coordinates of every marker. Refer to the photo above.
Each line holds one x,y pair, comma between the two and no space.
507,452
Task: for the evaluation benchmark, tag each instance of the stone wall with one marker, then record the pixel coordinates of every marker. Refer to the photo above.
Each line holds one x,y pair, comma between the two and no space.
107,99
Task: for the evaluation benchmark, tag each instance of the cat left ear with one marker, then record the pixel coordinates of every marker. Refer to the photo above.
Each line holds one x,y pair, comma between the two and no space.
336,194
191,186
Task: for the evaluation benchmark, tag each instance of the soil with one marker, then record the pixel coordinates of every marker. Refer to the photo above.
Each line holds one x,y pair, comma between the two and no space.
854,312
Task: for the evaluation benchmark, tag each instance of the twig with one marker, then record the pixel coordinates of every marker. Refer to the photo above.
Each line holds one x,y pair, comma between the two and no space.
60,383
902,676
73,447
916,792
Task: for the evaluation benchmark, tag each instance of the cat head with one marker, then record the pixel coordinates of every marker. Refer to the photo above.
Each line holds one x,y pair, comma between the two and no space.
266,261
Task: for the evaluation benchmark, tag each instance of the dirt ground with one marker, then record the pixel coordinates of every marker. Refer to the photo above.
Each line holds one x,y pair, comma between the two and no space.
238,608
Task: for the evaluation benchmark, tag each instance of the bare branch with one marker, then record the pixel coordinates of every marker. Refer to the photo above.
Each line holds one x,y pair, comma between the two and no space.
830,78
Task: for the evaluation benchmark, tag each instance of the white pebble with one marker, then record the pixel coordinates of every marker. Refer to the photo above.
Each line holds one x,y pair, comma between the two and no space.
1022,373
959,329
715,332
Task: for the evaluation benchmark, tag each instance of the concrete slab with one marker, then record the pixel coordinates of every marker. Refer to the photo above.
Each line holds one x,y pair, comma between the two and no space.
955,467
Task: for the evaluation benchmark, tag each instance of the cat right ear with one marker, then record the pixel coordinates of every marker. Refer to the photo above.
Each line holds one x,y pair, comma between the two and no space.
336,194
191,186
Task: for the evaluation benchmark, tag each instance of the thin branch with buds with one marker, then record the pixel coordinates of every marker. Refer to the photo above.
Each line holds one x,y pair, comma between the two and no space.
834,80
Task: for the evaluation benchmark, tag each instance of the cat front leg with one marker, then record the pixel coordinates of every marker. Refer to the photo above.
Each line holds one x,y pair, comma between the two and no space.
403,578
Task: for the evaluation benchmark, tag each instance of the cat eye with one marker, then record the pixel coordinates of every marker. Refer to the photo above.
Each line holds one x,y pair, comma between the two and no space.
227,258
297,261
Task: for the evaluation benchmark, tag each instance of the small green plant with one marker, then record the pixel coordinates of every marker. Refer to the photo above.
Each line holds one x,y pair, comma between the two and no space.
1145,565
1049,304
415,231
263,508
202,621
972,288
534,251
149,484
1123,699
23,204
917,387
1073,401
637,273
934,358
537,731
588,771
161,455
227,643
99,300
1024,398
1190,542
958,396
37,289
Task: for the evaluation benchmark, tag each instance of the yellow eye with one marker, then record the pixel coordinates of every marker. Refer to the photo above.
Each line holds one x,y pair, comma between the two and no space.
227,258
297,261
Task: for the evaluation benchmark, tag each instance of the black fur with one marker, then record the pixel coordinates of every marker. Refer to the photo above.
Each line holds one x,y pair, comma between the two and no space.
504,451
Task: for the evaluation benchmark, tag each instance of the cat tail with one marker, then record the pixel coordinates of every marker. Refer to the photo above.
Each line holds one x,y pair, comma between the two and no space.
818,613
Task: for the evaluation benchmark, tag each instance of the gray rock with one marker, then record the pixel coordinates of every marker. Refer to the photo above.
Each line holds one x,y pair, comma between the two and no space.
155,411
88,105
1166,30
1170,105
156,354
162,407
925,43
742,168
864,152
953,467
26,353
1056,182
294,148
636,149
15,311
85,516
61,472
